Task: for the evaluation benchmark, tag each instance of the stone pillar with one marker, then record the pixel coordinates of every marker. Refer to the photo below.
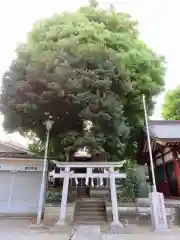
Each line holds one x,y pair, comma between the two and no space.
158,212
88,181
116,224
88,175
63,207
113,197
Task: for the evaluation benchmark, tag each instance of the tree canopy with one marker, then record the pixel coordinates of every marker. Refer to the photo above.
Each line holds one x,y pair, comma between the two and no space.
89,65
171,106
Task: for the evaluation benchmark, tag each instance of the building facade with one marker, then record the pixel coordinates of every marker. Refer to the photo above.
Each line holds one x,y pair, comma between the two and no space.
165,144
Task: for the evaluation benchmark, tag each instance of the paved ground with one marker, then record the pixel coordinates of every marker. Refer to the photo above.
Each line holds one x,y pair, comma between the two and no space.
20,230
13,229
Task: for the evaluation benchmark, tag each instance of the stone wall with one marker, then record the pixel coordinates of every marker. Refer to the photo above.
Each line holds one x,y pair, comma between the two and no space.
134,213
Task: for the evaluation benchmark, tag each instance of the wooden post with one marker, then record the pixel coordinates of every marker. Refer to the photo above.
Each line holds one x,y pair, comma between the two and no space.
165,173
176,169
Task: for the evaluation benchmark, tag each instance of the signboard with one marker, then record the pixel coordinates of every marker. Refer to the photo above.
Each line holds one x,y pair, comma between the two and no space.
30,168
17,167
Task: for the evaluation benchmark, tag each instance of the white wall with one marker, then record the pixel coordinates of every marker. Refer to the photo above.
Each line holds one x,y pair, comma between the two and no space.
20,182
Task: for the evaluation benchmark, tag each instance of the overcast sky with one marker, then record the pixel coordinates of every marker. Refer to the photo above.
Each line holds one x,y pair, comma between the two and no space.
158,25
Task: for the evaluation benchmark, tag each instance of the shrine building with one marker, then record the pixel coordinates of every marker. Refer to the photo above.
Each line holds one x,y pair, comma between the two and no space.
165,144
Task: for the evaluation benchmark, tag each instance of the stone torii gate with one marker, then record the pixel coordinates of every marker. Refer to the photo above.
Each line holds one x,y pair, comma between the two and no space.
108,173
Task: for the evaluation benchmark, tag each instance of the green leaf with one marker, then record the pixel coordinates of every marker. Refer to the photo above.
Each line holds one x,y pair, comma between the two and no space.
87,65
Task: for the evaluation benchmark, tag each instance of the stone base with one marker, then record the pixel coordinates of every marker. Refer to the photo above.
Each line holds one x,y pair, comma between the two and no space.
115,228
61,223
161,230
158,212
61,227
38,226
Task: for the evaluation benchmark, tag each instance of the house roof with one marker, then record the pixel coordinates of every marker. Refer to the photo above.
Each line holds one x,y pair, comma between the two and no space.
11,149
163,133
16,146
165,130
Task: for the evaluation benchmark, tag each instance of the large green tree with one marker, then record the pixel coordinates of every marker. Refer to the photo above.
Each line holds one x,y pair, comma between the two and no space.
171,106
87,65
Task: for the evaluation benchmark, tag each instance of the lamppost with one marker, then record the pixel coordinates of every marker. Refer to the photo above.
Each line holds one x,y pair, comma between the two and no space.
48,125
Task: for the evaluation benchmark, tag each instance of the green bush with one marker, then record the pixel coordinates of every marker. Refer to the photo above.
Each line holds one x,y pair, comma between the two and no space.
143,185
130,190
53,197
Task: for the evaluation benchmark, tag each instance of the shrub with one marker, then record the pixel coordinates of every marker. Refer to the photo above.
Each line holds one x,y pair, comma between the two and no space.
130,190
53,197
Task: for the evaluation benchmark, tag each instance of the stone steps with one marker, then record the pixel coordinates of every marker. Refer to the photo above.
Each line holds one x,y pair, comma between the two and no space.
90,207
89,222
85,212
85,218
90,212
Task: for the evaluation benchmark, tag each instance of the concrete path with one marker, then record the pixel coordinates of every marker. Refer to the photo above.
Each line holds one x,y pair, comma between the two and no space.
29,236
16,229
141,237
19,230
87,233
63,236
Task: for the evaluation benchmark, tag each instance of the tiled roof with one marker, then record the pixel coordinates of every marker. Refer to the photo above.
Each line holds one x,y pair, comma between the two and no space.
17,151
17,147
15,154
11,150
165,130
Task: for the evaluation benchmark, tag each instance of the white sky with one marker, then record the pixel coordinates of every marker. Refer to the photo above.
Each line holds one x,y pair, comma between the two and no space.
158,25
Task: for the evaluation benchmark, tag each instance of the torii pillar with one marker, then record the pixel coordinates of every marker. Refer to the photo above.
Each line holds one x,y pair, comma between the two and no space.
63,207
115,226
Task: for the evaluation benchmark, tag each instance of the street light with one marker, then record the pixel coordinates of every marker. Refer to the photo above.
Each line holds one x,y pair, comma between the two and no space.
48,125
